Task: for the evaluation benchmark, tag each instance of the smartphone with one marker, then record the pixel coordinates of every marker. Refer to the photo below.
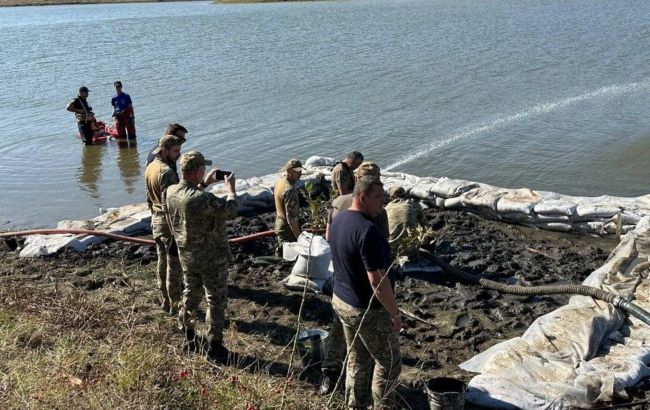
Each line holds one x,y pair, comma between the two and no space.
220,175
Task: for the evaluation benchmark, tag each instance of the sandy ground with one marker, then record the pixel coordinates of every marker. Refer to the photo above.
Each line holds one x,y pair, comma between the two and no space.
467,319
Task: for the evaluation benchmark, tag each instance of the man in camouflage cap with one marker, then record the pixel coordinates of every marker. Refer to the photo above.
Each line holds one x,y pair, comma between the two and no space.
335,354
159,175
343,173
287,203
198,221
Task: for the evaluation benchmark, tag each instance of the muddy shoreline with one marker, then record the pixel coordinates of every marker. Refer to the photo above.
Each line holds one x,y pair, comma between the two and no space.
467,319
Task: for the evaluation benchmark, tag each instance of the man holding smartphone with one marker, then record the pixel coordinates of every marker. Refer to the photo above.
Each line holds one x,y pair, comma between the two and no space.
198,222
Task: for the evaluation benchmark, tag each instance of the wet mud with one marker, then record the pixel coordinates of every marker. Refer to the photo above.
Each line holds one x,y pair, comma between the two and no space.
462,319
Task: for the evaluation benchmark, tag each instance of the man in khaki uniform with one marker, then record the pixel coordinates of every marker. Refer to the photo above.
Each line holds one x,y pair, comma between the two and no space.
403,213
343,173
287,203
159,175
333,362
198,221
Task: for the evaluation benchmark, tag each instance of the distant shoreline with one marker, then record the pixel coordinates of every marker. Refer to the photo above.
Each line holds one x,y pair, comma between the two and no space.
18,3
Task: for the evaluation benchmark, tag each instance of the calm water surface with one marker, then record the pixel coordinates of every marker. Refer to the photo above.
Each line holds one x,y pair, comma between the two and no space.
552,95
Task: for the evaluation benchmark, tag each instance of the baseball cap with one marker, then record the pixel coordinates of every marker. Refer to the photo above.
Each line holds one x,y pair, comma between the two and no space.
368,168
293,164
396,191
83,88
193,160
167,141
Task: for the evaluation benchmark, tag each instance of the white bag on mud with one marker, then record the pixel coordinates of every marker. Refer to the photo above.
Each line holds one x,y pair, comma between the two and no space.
313,261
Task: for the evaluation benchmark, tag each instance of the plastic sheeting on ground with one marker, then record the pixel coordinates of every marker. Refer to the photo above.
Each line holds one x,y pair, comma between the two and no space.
126,220
581,354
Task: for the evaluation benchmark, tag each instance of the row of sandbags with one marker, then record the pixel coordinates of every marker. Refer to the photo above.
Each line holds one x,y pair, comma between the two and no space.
545,210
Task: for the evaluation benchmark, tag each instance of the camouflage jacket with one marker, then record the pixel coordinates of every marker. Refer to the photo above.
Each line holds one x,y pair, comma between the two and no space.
198,219
404,213
158,176
287,200
343,176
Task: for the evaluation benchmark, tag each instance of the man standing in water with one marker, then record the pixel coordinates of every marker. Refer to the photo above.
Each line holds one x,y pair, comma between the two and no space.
364,299
83,112
198,221
158,176
343,173
123,113
287,203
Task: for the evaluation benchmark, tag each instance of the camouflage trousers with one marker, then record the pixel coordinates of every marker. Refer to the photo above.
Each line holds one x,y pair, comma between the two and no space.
202,275
376,343
169,272
283,233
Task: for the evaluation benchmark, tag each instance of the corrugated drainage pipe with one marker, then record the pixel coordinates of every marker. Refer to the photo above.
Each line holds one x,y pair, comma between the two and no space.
583,290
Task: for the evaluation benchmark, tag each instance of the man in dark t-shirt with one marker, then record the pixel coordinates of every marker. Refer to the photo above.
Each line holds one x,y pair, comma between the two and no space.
83,113
363,298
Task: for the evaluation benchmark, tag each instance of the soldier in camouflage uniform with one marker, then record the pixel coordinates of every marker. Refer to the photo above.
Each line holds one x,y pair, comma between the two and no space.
159,175
403,213
364,299
287,203
198,221
343,173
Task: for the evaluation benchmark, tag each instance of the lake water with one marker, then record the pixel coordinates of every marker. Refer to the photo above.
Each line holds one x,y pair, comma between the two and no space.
551,95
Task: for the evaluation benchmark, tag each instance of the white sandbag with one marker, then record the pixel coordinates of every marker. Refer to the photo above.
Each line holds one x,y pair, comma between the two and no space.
297,283
555,226
320,161
591,227
590,211
450,188
256,194
552,218
439,201
555,207
518,200
314,256
611,228
517,217
628,218
422,191
453,202
129,226
483,197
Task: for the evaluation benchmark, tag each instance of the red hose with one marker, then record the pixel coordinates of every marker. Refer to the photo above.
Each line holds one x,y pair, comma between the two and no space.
120,237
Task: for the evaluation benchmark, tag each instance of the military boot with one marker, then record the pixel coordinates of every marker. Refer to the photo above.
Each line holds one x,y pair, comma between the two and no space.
328,380
218,352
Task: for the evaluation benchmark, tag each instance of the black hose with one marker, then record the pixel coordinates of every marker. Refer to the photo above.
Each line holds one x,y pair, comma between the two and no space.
583,290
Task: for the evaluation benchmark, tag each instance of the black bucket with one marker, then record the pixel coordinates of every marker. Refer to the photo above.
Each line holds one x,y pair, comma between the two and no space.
311,347
445,393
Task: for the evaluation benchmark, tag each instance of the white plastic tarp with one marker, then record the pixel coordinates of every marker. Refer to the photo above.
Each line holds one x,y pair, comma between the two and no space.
579,355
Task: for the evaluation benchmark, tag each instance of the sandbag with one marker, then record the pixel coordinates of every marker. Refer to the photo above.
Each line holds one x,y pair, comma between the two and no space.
483,197
450,188
316,161
517,201
422,191
597,211
555,207
555,226
312,255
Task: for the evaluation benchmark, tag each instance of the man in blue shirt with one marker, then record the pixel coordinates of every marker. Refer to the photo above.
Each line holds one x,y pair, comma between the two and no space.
363,298
123,113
